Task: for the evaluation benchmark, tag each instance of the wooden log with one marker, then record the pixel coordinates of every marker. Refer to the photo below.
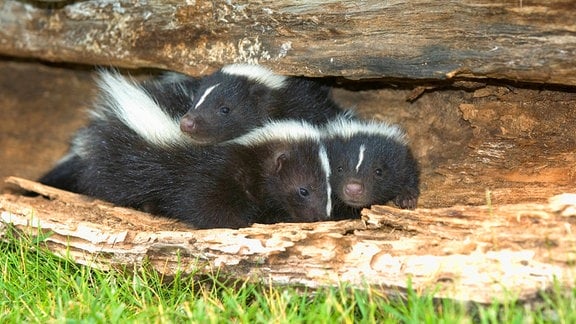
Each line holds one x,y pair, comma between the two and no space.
467,253
419,39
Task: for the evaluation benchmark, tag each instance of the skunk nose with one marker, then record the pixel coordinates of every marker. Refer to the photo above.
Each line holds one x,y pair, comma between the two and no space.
187,124
354,189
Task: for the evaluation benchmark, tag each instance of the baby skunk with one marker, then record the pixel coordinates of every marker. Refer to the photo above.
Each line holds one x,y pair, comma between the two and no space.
133,154
371,164
240,97
170,91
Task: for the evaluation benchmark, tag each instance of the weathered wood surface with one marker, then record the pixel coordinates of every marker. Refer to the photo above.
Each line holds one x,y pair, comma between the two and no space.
420,39
467,253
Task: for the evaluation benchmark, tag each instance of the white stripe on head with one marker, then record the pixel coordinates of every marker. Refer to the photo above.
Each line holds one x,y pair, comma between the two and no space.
360,156
280,130
326,167
136,109
256,73
347,128
205,94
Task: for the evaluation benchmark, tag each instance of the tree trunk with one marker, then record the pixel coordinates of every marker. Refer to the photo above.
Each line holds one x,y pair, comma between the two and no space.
481,254
420,39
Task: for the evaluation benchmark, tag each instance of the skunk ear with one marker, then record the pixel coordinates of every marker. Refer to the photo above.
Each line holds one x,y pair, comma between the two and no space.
277,156
280,160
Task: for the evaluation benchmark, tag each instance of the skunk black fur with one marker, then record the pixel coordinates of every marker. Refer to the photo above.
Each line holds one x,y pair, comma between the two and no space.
240,97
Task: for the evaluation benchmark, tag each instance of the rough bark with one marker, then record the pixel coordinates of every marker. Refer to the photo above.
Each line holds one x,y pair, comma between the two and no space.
478,254
420,39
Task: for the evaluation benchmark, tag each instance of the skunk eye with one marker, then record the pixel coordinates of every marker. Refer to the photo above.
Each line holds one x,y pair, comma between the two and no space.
378,172
340,169
303,192
224,110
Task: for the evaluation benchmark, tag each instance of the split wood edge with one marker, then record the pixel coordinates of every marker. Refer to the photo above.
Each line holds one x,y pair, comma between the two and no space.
386,249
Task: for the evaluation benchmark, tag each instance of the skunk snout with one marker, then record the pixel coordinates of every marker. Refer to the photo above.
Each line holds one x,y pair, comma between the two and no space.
354,189
187,124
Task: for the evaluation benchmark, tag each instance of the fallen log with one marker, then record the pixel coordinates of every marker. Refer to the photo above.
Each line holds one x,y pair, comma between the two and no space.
423,39
468,253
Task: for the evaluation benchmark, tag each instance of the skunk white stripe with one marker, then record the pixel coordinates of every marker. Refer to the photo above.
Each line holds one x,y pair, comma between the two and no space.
281,130
326,167
206,93
137,110
346,128
360,157
256,73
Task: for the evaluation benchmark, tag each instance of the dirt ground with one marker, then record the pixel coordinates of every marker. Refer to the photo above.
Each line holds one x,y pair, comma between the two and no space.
517,141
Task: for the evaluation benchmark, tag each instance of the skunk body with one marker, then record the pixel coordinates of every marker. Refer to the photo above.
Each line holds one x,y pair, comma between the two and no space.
275,173
371,164
169,91
241,97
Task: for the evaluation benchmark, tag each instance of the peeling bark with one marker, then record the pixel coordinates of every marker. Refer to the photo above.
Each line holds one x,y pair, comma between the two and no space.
480,253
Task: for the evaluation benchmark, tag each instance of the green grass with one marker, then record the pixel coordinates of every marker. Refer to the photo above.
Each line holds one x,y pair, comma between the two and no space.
36,286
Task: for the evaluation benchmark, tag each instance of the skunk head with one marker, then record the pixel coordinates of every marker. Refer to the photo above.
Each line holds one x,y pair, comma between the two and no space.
297,179
371,164
296,169
230,102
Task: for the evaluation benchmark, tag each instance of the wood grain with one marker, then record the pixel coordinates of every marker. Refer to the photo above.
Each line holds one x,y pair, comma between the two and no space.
421,39
469,253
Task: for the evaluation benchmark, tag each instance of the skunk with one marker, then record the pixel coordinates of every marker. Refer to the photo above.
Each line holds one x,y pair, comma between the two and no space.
133,154
371,164
170,91
240,97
